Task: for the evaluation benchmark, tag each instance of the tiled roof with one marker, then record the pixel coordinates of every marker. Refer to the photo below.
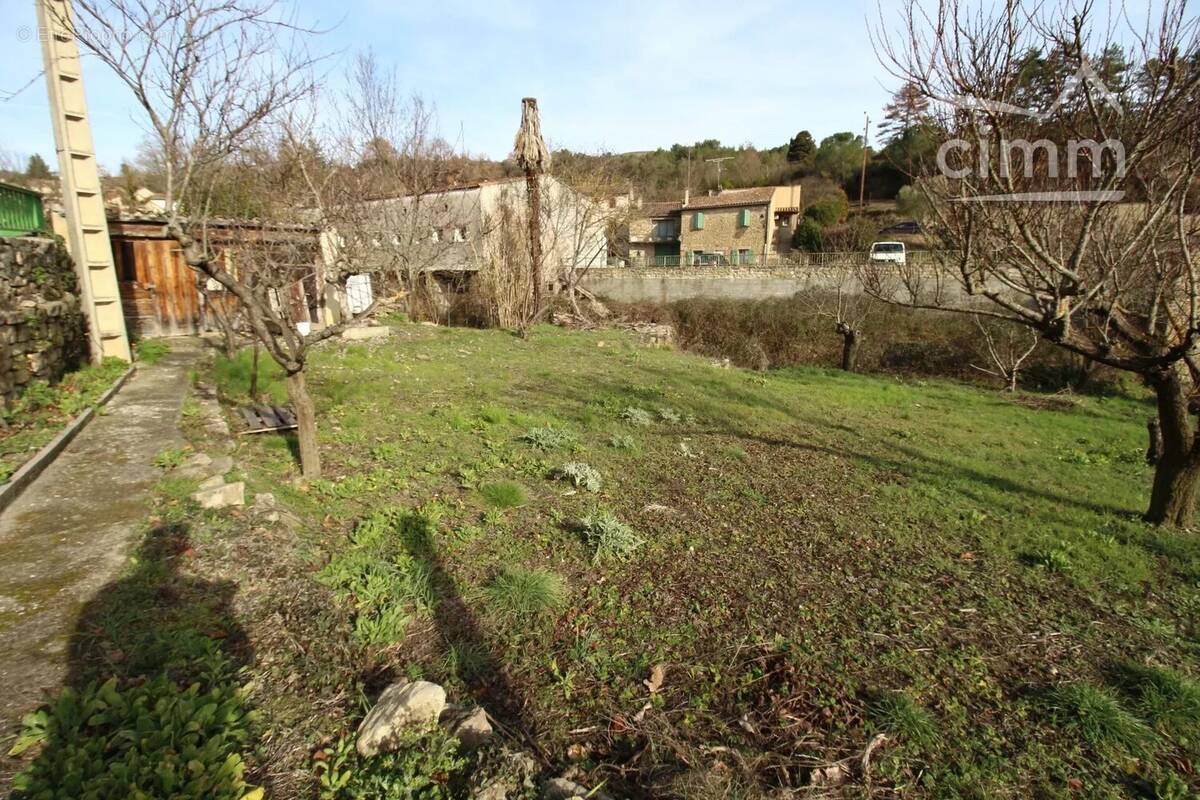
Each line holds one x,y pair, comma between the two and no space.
757,196
658,209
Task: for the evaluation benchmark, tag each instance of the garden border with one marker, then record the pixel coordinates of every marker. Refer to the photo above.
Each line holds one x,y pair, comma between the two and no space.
34,467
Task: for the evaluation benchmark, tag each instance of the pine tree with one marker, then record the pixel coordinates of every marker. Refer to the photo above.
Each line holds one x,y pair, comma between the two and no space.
908,109
37,168
801,148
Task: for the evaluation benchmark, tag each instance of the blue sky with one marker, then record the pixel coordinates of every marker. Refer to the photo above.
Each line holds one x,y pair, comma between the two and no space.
619,75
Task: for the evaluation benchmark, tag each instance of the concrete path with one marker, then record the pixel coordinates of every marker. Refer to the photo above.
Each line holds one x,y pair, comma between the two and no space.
68,534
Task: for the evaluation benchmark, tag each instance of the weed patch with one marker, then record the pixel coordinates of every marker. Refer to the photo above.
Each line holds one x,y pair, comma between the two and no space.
517,594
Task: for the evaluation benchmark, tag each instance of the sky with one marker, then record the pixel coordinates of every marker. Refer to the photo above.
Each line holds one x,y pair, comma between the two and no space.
614,76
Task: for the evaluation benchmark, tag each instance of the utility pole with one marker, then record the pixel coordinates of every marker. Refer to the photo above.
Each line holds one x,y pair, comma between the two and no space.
862,180
86,222
718,161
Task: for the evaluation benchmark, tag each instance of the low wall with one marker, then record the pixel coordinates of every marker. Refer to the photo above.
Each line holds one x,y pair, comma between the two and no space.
668,284
633,285
43,333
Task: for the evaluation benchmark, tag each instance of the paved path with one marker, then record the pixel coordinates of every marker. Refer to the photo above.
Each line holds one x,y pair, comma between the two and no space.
67,535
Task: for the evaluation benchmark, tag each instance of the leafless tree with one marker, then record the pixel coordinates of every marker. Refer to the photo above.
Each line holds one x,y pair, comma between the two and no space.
1007,349
212,78
389,207
581,217
835,293
1109,271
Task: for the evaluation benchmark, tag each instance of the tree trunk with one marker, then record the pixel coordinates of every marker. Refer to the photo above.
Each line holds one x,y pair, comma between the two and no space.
850,341
1177,473
306,421
534,186
254,373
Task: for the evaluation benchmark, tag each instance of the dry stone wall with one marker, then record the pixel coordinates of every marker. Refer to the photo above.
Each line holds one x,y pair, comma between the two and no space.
43,332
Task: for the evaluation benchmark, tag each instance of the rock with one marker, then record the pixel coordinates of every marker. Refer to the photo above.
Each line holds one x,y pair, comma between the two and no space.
264,500
212,483
469,725
401,705
198,461
223,496
566,789
220,465
362,332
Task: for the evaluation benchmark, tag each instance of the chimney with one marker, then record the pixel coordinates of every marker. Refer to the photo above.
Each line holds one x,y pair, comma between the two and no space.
687,195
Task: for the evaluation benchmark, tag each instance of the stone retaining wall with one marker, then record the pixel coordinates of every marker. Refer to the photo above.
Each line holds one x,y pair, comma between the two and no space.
43,332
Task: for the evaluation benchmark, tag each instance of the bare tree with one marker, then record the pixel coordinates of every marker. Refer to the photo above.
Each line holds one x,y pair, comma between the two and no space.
390,207
212,78
1108,271
1006,348
581,217
836,293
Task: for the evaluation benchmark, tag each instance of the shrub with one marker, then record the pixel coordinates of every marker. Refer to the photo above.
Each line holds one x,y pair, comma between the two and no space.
152,740
808,236
419,767
828,212
582,476
621,441
385,572
504,494
608,537
522,594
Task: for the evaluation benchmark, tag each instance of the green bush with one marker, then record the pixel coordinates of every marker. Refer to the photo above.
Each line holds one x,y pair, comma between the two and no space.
150,741
828,212
808,236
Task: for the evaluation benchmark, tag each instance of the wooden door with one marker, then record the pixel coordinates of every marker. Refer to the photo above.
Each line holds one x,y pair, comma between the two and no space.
158,290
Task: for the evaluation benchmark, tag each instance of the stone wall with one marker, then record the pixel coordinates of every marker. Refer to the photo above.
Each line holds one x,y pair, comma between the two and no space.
43,332
723,231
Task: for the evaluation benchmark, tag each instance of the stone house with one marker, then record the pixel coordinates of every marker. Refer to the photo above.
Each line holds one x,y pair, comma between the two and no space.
732,227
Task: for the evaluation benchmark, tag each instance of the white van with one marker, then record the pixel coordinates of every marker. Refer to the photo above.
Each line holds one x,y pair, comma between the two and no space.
892,252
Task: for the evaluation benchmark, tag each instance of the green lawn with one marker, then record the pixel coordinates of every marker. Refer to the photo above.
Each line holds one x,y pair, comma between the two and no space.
812,559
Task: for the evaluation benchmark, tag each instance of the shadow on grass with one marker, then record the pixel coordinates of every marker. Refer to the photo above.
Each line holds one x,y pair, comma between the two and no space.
460,633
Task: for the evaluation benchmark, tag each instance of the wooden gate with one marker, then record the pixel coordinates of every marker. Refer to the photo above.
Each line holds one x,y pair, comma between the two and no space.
158,289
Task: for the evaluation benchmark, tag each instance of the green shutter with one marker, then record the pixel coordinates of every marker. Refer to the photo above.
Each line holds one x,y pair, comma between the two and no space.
745,218
698,221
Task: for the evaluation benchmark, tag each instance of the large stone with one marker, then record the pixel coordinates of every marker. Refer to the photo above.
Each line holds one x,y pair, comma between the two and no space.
469,725
211,483
402,705
566,789
223,496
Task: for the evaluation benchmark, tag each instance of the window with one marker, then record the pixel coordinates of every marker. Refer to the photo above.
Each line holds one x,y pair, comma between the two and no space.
744,218
745,257
459,235
435,235
697,256
785,222
665,229
698,221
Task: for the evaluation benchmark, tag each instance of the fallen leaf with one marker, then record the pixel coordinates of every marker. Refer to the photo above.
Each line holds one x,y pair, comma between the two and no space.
833,775
655,682
1076,785
968,556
